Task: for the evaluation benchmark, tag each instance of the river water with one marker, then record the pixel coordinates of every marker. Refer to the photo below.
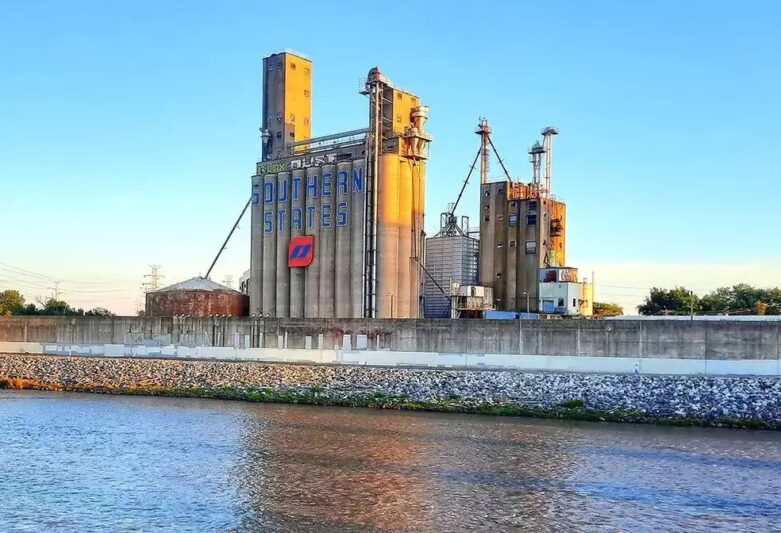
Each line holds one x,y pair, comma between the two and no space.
79,462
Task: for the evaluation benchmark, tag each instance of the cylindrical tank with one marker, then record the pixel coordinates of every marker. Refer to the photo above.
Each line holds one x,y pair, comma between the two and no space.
327,241
405,237
342,266
312,225
283,239
256,246
357,227
297,227
196,297
387,236
269,245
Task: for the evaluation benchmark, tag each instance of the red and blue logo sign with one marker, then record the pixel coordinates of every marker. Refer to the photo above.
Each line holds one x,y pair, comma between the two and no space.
300,251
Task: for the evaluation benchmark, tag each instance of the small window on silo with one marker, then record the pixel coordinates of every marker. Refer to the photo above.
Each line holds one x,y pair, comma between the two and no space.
499,244
531,220
292,66
513,219
533,205
561,302
512,244
574,302
487,219
531,247
498,274
306,93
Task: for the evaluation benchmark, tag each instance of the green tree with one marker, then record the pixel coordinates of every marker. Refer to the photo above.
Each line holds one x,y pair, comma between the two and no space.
11,302
99,311
602,310
743,299
677,301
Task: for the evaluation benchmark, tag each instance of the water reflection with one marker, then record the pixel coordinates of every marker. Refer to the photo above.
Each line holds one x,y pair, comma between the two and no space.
87,462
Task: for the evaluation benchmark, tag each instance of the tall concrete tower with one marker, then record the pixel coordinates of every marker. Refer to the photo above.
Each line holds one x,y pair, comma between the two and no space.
287,101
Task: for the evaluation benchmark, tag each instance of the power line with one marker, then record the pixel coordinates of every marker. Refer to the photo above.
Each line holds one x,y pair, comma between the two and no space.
44,277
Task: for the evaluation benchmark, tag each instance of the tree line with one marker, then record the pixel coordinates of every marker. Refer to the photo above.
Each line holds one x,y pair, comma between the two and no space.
13,303
741,299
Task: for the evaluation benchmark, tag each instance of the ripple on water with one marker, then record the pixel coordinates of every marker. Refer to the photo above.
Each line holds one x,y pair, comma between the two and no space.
102,463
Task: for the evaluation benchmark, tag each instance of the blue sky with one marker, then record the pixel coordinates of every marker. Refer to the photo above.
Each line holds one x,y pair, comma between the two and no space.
129,129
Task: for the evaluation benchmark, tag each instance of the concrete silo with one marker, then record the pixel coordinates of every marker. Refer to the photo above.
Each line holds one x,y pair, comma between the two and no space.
337,221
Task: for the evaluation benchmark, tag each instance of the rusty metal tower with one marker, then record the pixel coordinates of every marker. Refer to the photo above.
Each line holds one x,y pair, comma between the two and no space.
547,145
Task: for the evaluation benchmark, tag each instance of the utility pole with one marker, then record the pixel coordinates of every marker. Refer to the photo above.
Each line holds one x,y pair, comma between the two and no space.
691,305
154,278
56,290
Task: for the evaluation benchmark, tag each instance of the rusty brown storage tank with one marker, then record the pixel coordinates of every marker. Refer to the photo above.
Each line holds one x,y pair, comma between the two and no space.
196,297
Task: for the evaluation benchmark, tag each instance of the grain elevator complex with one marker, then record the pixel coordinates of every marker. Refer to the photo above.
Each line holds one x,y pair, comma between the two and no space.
337,221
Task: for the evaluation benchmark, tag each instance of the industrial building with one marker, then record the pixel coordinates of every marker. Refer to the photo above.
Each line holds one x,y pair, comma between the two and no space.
196,297
337,221
522,232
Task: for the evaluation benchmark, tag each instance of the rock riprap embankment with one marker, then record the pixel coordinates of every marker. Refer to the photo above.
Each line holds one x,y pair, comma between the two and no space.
702,397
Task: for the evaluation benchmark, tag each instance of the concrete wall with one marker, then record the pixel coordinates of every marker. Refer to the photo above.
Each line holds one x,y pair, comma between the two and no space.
713,340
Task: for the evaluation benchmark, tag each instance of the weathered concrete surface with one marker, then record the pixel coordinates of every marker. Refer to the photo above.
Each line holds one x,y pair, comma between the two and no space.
659,396
711,340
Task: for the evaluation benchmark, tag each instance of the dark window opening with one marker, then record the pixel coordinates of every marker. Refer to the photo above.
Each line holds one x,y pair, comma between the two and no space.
533,205
531,220
561,302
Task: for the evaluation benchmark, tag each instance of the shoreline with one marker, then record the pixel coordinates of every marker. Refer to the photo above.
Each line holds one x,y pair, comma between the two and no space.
576,410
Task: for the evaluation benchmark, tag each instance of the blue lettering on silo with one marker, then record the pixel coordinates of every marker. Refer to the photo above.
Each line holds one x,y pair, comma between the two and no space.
357,179
282,192
341,182
268,221
296,187
326,220
311,186
327,183
268,192
341,214
310,216
281,225
295,218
